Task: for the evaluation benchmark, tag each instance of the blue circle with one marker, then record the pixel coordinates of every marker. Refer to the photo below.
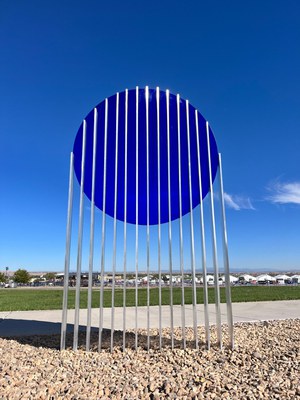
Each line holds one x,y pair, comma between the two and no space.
142,157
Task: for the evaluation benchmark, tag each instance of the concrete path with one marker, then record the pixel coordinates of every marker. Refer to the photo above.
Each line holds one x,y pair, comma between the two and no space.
22,323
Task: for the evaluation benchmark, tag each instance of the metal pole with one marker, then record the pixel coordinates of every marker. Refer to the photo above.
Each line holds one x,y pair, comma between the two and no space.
203,247
159,217
148,216
92,231
180,225
169,220
195,323
226,259
214,243
79,250
103,229
67,256
125,222
115,231
136,211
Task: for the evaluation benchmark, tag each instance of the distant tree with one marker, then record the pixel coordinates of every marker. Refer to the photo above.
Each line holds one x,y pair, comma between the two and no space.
2,277
50,276
21,276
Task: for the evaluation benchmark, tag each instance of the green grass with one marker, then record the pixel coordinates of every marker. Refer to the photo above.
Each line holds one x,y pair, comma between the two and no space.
42,299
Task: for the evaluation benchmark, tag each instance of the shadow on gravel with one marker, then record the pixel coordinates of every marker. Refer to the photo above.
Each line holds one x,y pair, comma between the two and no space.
49,336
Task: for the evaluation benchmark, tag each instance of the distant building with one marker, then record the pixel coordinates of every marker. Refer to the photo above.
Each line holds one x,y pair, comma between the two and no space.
245,278
232,279
295,279
265,278
282,279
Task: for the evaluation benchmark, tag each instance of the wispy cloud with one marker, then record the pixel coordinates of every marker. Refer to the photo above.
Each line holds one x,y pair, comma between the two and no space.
284,192
238,202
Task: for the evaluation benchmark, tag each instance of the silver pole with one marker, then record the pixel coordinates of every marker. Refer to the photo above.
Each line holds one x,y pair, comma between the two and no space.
115,231
195,323
159,217
125,222
214,244
180,225
226,260
148,216
203,247
92,231
103,229
169,220
67,256
136,211
79,250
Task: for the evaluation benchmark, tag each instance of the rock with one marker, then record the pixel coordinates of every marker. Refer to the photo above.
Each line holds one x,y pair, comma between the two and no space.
256,354
263,365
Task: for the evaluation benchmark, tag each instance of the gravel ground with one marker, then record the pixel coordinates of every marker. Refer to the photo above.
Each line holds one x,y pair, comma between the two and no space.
265,364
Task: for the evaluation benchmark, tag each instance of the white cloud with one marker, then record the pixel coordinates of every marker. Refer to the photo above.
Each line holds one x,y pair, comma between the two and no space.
284,193
238,202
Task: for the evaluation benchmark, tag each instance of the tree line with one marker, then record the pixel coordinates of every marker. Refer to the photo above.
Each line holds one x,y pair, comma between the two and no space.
20,276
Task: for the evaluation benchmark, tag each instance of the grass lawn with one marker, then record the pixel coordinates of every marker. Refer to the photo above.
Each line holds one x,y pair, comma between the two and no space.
42,299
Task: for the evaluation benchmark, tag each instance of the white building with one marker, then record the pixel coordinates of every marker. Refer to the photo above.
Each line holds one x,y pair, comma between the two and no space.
245,278
232,279
295,278
210,279
265,278
281,279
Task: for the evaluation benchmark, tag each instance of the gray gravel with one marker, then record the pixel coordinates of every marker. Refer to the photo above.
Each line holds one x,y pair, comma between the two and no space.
265,364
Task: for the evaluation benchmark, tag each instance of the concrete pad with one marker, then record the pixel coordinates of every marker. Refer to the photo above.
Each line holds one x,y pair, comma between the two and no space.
24,323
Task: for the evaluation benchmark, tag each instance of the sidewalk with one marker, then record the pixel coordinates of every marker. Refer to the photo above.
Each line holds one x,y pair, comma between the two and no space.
23,323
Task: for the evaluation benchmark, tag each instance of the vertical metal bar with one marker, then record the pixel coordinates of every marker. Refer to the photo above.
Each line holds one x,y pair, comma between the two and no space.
103,228
170,220
195,322
159,217
115,230
125,222
214,244
92,231
79,250
203,247
148,216
226,259
67,256
136,211
180,225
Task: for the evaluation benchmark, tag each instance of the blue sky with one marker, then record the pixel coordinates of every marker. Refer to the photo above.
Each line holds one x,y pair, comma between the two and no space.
237,62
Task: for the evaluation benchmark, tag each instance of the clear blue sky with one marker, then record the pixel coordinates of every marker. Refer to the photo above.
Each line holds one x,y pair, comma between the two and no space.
238,62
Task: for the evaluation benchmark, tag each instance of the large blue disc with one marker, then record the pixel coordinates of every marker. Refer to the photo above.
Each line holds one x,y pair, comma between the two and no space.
142,157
